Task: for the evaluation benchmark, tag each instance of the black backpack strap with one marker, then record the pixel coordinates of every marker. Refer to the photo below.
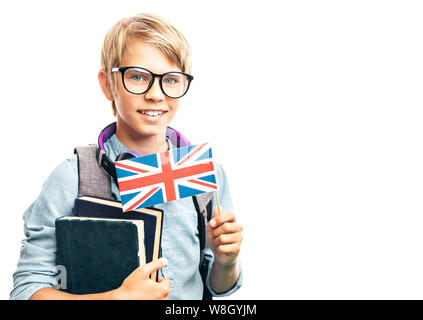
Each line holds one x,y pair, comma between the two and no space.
93,179
203,206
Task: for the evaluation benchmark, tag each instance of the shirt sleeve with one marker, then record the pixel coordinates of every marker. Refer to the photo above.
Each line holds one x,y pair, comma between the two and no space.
36,267
226,203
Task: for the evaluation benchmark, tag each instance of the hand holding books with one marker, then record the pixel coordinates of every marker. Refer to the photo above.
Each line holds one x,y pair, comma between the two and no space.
139,286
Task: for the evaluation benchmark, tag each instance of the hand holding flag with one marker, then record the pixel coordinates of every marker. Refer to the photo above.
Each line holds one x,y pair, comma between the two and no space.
224,236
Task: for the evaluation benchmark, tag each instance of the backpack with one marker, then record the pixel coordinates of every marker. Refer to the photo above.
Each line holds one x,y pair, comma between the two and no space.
93,180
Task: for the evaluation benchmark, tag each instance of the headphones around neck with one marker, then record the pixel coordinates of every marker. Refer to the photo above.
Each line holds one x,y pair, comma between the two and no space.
175,137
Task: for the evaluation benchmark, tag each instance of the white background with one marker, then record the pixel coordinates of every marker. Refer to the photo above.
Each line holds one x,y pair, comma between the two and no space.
314,108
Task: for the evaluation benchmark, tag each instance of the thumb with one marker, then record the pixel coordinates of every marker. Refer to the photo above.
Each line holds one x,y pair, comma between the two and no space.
218,210
166,283
154,265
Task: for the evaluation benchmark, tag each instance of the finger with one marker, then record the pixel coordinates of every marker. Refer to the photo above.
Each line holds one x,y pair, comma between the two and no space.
230,249
227,216
228,238
165,283
162,289
217,211
153,266
160,279
227,227
211,224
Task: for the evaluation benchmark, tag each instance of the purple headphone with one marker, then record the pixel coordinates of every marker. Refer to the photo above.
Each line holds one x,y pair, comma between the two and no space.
175,137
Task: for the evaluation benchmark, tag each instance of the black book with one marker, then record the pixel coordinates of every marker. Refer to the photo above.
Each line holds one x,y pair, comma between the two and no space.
87,206
98,253
100,246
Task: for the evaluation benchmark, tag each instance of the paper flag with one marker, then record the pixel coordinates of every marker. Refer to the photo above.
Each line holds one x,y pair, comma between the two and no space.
166,176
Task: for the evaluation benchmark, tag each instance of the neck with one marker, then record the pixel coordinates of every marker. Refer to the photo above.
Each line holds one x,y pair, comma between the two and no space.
144,145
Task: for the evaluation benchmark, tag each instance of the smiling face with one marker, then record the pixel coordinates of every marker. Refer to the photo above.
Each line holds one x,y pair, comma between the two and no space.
145,115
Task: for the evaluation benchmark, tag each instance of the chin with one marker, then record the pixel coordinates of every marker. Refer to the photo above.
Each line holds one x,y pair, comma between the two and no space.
143,128
149,130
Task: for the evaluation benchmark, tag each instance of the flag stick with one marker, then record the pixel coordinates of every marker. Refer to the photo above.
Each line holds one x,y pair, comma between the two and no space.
218,203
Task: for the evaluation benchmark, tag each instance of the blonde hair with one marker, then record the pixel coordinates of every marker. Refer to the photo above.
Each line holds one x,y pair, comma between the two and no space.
148,28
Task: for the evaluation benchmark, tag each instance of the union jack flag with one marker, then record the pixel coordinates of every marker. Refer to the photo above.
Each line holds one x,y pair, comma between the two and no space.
166,176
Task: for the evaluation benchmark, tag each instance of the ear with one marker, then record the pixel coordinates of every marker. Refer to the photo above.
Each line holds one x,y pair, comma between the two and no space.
104,84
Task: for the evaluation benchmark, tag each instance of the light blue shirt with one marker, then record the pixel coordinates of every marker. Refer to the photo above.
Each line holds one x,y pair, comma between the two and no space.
180,243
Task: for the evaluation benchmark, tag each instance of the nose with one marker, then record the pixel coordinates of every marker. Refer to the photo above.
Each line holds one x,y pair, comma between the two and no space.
155,92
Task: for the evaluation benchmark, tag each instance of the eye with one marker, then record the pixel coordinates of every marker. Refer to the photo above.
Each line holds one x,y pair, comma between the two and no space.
136,75
172,79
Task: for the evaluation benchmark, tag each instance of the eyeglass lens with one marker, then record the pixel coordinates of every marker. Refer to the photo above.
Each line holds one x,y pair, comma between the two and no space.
138,81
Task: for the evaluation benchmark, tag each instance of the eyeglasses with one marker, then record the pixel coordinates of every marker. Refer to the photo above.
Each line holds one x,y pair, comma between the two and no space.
138,80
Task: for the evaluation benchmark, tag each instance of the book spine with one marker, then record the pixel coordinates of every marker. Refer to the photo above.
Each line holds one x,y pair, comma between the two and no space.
63,254
76,207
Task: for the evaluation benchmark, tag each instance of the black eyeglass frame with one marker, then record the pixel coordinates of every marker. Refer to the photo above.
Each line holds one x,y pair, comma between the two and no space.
123,69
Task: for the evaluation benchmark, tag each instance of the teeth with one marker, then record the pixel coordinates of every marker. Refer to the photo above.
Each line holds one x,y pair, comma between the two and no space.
152,113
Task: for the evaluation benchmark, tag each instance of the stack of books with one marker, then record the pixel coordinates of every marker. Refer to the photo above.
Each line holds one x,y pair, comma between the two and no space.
101,245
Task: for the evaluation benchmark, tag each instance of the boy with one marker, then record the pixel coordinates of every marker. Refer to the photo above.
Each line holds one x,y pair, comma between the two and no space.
145,66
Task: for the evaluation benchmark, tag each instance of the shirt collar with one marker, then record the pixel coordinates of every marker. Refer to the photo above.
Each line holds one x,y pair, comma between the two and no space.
114,147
